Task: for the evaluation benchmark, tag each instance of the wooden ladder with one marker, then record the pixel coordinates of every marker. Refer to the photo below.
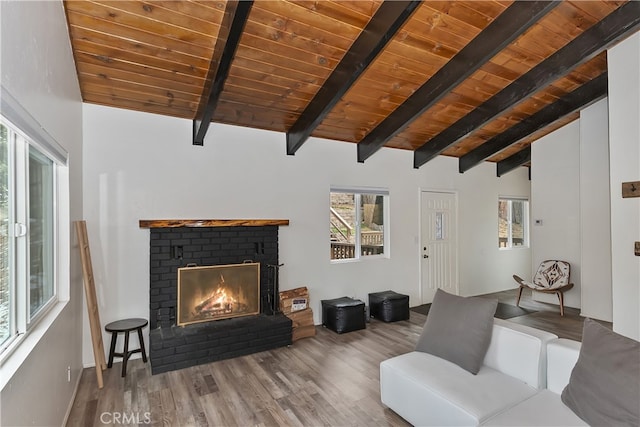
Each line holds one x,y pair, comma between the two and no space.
92,301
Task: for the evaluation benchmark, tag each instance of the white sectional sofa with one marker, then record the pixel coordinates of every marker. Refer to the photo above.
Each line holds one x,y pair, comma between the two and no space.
545,408
516,384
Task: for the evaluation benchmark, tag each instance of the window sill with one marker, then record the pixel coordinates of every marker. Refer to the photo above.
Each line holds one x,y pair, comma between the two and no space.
361,259
14,356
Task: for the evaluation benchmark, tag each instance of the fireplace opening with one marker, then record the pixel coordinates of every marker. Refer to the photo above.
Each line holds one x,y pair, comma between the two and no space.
217,292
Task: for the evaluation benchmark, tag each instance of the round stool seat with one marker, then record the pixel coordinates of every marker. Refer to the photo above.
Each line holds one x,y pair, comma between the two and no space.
125,326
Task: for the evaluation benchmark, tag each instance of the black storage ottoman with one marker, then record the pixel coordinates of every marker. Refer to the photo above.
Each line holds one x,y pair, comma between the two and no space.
343,314
389,306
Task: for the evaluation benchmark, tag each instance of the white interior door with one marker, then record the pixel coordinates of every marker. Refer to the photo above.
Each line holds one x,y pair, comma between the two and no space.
438,245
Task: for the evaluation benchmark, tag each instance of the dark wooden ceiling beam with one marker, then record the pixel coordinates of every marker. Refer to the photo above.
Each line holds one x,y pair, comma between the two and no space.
620,23
510,163
235,17
496,36
580,98
388,19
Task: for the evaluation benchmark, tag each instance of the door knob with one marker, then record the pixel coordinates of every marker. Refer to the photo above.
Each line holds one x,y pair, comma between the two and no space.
425,256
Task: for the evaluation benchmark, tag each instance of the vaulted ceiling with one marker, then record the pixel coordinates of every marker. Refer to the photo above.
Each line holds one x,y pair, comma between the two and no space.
477,80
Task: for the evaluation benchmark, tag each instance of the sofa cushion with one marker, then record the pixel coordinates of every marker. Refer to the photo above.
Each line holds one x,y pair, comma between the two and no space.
562,355
543,409
458,329
427,390
603,388
519,351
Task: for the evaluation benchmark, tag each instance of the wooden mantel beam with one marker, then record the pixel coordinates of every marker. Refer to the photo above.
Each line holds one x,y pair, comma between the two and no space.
173,223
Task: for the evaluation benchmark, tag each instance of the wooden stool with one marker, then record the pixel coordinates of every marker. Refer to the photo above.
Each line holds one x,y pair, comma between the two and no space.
126,326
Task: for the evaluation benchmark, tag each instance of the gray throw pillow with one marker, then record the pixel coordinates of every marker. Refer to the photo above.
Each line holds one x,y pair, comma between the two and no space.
458,329
604,387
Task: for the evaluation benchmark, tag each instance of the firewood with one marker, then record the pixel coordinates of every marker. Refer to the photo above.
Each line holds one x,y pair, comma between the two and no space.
294,298
294,303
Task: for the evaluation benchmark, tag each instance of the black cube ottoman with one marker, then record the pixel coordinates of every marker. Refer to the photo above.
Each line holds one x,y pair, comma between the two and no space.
343,314
389,306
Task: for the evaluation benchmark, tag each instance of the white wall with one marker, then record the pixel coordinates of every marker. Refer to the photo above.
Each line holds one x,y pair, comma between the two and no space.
555,199
572,168
37,69
624,138
143,166
595,210
484,268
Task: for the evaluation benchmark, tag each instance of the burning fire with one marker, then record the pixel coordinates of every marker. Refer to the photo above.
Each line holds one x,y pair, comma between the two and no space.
204,294
217,303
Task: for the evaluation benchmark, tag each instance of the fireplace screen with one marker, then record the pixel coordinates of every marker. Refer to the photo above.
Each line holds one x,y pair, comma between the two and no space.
218,292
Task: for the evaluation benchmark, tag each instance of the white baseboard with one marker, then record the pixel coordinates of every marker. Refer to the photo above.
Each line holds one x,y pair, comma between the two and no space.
73,400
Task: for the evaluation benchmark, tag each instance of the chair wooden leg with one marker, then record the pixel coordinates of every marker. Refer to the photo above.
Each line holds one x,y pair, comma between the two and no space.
112,348
561,299
519,295
125,354
142,350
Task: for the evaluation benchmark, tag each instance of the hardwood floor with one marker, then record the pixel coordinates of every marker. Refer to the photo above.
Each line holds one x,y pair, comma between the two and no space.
329,379
546,316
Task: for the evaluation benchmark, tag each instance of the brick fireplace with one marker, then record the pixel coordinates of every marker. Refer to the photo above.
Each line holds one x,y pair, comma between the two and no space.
176,244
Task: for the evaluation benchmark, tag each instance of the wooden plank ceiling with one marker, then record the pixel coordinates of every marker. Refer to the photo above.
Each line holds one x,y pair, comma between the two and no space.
477,80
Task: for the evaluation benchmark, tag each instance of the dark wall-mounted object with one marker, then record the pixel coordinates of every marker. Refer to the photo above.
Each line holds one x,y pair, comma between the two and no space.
630,189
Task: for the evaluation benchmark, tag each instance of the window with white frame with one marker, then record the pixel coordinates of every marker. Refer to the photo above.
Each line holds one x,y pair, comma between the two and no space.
358,223
513,223
27,232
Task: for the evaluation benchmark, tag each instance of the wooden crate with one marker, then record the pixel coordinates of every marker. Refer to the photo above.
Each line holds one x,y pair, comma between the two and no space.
303,326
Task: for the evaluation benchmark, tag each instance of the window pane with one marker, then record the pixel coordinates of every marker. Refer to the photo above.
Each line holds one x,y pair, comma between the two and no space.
372,224
41,286
342,225
503,223
513,217
439,231
517,222
5,294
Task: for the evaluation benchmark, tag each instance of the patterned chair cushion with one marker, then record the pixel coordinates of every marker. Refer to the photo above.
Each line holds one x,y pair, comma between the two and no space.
551,274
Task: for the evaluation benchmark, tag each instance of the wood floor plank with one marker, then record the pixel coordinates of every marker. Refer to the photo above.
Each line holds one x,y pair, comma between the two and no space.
211,384
214,413
155,408
330,379
168,407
